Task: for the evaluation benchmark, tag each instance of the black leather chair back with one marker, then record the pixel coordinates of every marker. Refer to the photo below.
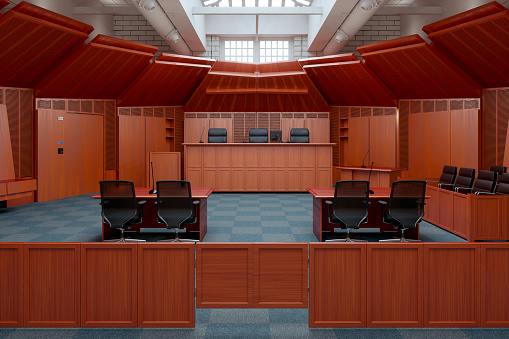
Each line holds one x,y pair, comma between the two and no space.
485,182
406,202
218,135
118,202
174,203
466,177
503,184
448,175
299,135
350,205
258,135
499,169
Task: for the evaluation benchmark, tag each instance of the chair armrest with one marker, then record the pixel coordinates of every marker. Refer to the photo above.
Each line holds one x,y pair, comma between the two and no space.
444,184
420,202
481,193
466,189
196,202
141,203
382,202
328,202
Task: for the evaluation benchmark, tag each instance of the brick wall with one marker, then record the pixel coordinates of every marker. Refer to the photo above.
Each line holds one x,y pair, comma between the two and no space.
136,28
212,46
379,28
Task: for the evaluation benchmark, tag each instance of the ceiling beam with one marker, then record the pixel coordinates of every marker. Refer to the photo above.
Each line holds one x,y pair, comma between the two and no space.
257,10
103,10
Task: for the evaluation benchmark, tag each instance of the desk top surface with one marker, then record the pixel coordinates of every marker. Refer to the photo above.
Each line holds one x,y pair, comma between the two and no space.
328,192
142,193
248,144
376,169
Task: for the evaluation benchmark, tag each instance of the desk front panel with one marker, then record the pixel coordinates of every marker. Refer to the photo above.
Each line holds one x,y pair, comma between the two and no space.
257,167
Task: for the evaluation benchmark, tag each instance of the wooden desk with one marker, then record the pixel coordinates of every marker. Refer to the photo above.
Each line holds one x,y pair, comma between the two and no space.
321,215
380,177
150,212
245,167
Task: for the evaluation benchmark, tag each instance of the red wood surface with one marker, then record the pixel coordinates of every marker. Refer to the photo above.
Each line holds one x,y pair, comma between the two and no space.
3,3
394,285
131,151
31,46
428,73
246,87
51,284
224,275
6,160
185,59
494,282
164,83
11,285
345,83
280,275
465,17
109,285
95,71
126,44
166,285
328,59
328,192
479,46
337,286
452,285
142,193
47,15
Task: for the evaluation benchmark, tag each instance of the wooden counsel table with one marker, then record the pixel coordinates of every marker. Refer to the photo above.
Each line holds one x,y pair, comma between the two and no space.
254,167
380,176
321,215
150,212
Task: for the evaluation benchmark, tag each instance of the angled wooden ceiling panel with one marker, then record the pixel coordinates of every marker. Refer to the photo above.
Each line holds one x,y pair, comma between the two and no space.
185,59
350,83
328,59
96,71
481,47
34,40
3,3
164,84
419,71
230,88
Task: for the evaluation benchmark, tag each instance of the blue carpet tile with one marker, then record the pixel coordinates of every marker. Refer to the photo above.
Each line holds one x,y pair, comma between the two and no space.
232,217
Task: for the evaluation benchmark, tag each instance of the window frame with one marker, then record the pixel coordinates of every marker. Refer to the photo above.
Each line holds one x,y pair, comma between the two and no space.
256,46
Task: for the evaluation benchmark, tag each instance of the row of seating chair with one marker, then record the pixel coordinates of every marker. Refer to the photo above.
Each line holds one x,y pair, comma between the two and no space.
175,206
350,206
258,135
494,181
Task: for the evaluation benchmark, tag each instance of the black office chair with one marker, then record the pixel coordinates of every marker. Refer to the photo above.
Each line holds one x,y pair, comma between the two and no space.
299,135
499,170
485,183
502,186
406,207
175,206
448,176
119,208
218,135
258,135
350,206
465,179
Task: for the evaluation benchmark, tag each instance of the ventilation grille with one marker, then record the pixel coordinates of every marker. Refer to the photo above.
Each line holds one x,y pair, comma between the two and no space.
490,127
25,133
215,115
58,105
158,112
298,115
334,134
365,111
99,106
441,106
428,106
275,121
238,127
226,115
391,111
73,105
456,105
311,115
1,96
415,107
472,104
287,115
378,111
263,120
169,112
136,112
148,111
404,110
355,112
502,119
344,112
86,106
110,135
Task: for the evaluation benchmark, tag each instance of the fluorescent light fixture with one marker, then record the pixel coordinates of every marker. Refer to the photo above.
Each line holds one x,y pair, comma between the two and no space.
148,5
368,5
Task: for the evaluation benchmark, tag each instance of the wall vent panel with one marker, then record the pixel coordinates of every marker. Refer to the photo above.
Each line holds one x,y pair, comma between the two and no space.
99,106
456,105
73,105
490,127
404,110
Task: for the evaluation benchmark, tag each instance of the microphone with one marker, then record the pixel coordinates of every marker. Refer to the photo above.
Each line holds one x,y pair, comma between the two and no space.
153,190
369,177
364,166
278,138
201,137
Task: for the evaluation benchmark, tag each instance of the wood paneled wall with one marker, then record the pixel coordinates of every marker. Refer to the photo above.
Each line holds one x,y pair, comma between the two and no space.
19,104
78,128
238,125
359,129
143,130
495,119
434,133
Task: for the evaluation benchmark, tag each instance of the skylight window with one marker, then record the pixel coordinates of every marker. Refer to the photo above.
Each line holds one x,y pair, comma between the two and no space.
256,3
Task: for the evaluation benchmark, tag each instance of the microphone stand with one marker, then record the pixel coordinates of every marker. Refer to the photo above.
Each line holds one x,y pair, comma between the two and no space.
201,137
153,190
369,177
364,166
